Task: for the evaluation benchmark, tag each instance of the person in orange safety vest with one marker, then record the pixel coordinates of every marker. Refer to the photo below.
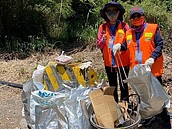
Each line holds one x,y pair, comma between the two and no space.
111,36
145,45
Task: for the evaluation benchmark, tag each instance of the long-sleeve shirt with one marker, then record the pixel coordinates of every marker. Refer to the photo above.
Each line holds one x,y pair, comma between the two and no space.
101,42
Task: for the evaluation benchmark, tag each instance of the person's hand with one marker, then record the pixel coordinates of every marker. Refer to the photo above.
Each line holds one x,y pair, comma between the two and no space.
149,62
104,37
116,47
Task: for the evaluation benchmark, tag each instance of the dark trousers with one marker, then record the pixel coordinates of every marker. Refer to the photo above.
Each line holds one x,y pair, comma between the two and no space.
164,114
113,81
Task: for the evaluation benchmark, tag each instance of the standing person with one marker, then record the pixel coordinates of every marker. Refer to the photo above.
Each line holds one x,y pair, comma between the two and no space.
111,35
145,45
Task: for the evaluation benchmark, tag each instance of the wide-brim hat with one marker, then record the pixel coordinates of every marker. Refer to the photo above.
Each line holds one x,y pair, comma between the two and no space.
112,3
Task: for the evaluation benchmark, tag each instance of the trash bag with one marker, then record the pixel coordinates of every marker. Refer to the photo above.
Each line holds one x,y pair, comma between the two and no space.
29,87
65,109
152,94
45,110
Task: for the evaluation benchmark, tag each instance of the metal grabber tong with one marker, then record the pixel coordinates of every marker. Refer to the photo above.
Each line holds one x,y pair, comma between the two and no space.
132,105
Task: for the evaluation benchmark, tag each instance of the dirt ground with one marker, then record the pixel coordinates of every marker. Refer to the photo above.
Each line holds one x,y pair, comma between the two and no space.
20,71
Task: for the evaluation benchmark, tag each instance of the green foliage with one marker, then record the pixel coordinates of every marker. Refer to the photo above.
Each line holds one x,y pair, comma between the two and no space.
11,44
34,44
89,34
38,43
66,21
54,13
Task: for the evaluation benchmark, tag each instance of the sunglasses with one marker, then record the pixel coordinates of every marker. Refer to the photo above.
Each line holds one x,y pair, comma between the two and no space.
135,15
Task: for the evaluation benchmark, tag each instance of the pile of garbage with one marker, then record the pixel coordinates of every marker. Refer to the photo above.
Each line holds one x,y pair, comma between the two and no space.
61,96
57,95
74,107
65,95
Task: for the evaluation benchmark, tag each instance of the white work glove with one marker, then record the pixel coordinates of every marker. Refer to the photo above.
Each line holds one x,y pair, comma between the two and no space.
116,47
149,62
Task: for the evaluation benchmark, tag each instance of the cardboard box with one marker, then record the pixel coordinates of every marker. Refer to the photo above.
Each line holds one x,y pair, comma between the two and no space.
104,106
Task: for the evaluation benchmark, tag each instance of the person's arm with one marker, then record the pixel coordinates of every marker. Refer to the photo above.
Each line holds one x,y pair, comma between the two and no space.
101,38
158,45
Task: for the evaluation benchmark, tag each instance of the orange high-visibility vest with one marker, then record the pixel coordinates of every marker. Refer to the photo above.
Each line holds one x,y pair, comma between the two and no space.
147,46
121,59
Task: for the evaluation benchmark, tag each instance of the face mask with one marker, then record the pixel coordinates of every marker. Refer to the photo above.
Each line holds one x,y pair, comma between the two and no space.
112,15
137,21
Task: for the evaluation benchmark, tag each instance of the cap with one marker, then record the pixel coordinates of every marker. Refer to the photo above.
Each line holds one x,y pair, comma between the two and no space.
112,3
136,9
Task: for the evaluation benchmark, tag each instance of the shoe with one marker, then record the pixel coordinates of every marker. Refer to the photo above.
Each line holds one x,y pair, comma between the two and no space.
147,121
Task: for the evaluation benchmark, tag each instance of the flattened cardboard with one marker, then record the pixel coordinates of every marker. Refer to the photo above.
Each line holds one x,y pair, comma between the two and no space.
105,108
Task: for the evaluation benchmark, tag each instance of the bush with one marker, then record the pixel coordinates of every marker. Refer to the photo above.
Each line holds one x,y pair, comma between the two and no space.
70,21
